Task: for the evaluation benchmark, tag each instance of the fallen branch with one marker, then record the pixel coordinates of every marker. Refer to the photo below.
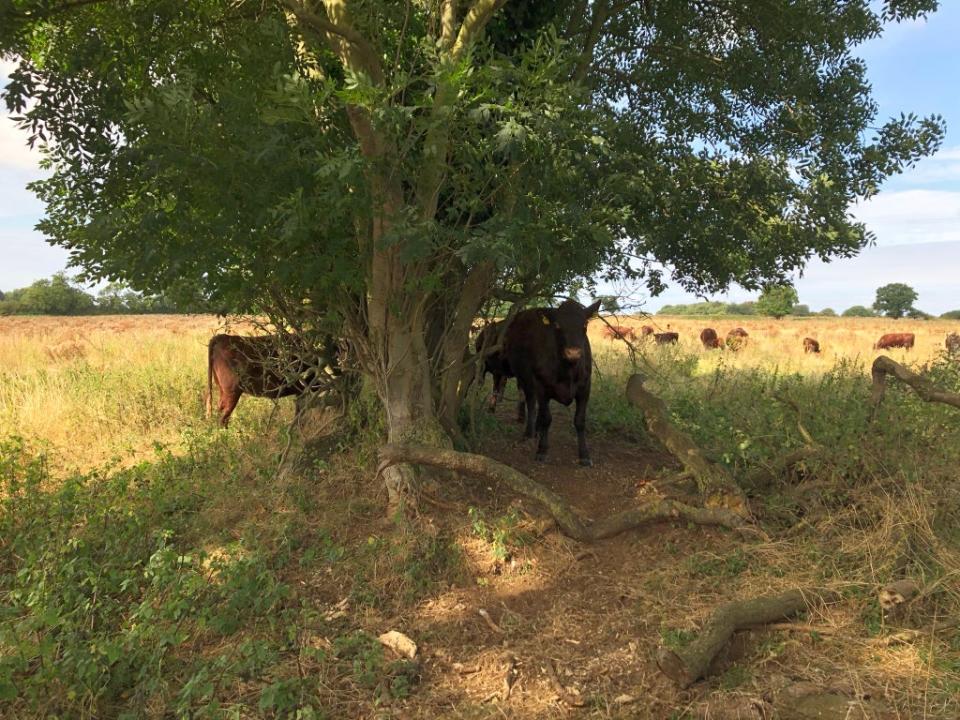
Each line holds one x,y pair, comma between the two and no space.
688,664
716,486
569,522
884,366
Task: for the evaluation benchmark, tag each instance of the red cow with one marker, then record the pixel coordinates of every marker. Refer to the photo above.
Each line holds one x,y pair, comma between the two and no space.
708,336
666,338
257,366
549,353
810,345
619,332
647,330
952,343
737,338
895,340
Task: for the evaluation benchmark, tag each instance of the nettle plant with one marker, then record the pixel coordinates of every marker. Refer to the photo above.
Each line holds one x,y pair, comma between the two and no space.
383,170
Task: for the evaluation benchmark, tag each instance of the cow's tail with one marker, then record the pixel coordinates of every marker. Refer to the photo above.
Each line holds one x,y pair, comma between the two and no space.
208,399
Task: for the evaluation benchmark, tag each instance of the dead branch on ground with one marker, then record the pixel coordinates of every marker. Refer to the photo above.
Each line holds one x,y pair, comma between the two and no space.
884,366
716,486
688,664
569,522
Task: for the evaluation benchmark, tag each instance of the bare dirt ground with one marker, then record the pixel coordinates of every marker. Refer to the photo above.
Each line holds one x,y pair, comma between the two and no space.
597,613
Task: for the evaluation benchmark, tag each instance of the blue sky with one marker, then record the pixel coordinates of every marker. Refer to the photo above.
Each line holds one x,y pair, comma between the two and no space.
916,216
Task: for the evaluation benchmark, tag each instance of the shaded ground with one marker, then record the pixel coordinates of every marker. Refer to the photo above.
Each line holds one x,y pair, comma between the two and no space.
596,613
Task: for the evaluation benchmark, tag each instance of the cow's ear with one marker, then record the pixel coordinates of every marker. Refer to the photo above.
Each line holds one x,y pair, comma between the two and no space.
592,310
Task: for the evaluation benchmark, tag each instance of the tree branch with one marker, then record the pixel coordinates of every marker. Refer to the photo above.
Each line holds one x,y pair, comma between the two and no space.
884,366
569,522
473,24
448,19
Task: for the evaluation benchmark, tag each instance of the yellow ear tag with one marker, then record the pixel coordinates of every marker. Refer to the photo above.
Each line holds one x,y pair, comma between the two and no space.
544,319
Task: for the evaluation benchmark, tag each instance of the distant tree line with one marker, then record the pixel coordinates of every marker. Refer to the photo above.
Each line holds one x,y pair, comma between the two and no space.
894,300
59,295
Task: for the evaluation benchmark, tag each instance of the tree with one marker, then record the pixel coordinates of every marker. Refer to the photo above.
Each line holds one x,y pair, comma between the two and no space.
800,310
951,315
895,300
777,300
828,312
56,296
611,303
858,311
384,170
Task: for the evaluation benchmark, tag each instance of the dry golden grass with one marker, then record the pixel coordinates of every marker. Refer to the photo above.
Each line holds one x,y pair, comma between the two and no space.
778,344
92,389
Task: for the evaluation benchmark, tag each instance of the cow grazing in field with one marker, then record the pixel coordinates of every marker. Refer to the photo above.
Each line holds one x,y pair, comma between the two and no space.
619,332
895,340
666,338
952,343
257,366
494,362
708,336
647,330
737,338
549,353
810,345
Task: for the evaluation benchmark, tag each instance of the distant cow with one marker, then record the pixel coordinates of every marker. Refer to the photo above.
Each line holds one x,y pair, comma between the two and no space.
708,336
619,332
895,340
737,338
549,353
666,338
494,362
810,345
952,343
647,330
256,366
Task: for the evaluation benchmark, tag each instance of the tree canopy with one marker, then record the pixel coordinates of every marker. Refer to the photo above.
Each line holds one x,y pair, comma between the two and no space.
895,300
777,300
390,167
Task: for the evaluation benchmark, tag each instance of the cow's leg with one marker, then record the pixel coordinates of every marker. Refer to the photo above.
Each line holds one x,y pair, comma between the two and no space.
544,418
580,424
521,411
229,397
496,395
527,389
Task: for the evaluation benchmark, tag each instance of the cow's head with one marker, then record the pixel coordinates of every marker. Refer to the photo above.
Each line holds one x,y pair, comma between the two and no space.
571,324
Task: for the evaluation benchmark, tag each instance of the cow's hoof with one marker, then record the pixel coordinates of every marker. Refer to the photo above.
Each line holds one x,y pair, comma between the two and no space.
586,462
541,457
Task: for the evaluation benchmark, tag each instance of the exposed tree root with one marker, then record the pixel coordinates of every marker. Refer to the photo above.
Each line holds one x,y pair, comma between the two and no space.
567,520
884,366
716,486
688,664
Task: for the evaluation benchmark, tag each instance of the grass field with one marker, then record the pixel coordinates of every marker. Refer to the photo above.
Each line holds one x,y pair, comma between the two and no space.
154,566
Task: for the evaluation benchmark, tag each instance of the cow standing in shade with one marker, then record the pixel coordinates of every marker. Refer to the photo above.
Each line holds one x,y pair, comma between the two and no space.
895,340
708,336
257,366
549,353
494,362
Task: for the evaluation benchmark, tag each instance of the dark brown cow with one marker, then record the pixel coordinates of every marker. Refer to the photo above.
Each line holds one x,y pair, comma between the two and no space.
737,338
619,332
549,353
952,343
256,366
708,336
494,362
647,330
666,338
810,345
895,340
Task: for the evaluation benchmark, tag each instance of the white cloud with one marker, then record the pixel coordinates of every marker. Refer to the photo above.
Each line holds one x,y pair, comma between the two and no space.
912,216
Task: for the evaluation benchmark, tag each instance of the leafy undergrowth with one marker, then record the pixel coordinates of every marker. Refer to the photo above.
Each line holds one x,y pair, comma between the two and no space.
198,584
